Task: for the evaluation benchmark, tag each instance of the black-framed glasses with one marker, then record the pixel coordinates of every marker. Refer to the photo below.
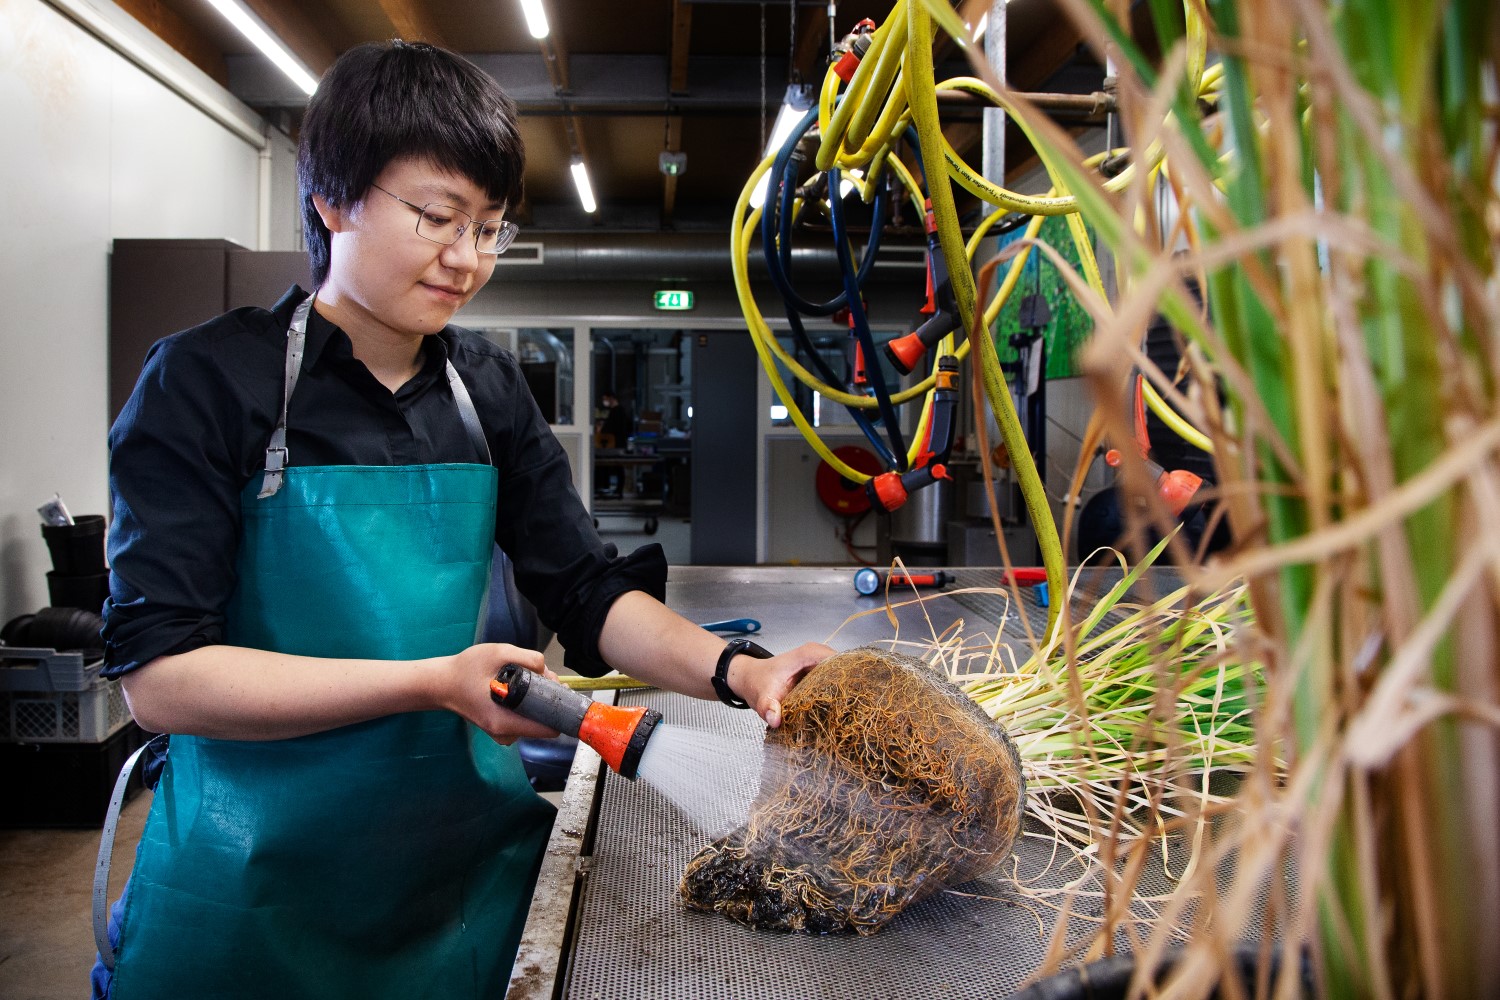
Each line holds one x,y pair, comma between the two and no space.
446,224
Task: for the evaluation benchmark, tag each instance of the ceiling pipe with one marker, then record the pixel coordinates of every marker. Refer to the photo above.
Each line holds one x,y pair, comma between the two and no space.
1095,103
605,256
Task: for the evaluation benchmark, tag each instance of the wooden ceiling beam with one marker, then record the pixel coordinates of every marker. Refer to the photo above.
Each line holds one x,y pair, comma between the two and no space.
555,55
289,22
810,54
682,37
1050,54
677,83
411,22
969,12
165,24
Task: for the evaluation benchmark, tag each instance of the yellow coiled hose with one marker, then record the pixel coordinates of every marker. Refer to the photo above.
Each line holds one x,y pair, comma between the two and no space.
893,89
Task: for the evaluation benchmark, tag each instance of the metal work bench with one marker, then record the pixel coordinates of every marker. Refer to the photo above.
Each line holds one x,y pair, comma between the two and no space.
606,921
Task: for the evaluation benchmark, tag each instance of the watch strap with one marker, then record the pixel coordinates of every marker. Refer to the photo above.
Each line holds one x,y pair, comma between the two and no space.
721,672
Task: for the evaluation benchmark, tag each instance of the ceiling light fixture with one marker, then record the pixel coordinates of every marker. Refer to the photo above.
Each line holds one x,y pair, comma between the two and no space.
585,189
536,18
796,104
260,36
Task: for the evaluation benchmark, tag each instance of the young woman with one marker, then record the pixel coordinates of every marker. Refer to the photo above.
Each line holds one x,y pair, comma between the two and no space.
306,500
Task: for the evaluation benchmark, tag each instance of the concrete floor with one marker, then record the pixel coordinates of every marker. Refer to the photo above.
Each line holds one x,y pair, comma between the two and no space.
46,899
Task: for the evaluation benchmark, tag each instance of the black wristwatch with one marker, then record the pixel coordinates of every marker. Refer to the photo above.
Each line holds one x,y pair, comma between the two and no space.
721,672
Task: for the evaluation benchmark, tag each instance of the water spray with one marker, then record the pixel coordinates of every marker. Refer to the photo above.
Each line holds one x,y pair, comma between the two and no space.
618,733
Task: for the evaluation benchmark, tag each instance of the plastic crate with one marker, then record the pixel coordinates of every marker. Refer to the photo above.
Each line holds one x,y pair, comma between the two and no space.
24,668
91,716
64,784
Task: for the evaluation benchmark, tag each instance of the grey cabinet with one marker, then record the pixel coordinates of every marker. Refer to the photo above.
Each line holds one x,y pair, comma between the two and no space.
157,287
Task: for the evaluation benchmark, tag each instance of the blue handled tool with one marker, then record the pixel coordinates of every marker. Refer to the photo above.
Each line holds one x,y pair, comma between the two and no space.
733,625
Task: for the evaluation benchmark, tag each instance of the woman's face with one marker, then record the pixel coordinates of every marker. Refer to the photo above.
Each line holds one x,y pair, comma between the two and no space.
383,272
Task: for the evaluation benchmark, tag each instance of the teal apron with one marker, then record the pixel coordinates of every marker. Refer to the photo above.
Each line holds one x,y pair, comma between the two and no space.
393,858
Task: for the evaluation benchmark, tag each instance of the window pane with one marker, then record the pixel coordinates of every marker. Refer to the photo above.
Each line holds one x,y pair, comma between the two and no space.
836,353
546,357
642,385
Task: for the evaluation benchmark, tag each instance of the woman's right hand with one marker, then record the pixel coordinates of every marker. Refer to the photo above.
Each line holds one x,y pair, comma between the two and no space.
464,688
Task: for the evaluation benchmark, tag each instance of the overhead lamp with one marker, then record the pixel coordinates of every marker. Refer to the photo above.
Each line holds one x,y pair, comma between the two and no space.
585,189
260,36
536,18
794,106
982,26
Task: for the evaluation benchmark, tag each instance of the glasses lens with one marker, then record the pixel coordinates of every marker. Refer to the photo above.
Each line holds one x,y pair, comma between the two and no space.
496,235
441,224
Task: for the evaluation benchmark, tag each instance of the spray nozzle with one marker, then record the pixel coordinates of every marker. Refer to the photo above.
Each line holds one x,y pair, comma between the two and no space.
619,733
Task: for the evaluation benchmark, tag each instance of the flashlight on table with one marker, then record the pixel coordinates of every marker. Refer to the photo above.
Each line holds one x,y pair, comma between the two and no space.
869,581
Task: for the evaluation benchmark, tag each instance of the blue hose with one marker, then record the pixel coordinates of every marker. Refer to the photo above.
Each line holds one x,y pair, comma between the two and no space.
776,228
861,326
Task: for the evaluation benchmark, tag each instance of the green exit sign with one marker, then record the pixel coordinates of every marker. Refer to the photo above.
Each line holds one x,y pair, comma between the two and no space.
673,299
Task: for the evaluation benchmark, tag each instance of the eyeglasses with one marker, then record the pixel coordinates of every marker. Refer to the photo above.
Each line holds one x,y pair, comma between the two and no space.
447,225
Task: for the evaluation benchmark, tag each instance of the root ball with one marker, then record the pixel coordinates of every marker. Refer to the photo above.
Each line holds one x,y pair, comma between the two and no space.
884,784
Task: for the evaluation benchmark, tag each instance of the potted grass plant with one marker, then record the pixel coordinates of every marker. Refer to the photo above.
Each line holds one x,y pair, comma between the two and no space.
1329,173
1337,199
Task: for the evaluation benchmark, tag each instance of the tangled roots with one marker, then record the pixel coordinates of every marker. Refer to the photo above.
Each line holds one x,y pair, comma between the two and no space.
884,784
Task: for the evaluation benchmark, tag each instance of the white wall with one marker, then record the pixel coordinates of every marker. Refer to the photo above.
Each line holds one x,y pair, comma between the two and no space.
94,149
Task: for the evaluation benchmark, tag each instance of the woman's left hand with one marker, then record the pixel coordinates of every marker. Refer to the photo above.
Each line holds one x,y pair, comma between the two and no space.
764,683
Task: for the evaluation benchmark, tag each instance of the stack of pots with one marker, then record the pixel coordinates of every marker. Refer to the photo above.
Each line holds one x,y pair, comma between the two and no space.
79,578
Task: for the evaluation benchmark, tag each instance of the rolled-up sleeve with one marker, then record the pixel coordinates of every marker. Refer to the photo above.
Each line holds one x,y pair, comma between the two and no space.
174,487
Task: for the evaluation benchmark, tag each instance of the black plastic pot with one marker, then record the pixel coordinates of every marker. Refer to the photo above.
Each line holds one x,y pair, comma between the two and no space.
77,549
84,592
60,628
1109,978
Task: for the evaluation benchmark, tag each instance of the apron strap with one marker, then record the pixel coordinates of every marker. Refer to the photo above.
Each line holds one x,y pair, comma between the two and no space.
107,850
276,453
467,413
296,345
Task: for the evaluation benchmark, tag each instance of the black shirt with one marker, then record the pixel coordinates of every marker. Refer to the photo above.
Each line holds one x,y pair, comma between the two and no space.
195,430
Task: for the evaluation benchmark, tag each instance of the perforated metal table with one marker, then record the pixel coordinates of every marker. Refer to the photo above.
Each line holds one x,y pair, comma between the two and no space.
607,922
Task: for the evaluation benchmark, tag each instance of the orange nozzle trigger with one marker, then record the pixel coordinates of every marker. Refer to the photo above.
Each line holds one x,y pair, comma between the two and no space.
499,689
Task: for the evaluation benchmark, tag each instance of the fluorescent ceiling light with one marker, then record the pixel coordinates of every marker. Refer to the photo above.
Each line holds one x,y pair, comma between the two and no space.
585,190
794,106
787,118
758,196
982,26
536,18
250,26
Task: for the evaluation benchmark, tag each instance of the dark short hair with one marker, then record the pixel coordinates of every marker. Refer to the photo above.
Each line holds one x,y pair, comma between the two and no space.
386,100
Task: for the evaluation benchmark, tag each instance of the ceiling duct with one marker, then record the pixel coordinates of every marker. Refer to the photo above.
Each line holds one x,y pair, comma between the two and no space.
674,257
